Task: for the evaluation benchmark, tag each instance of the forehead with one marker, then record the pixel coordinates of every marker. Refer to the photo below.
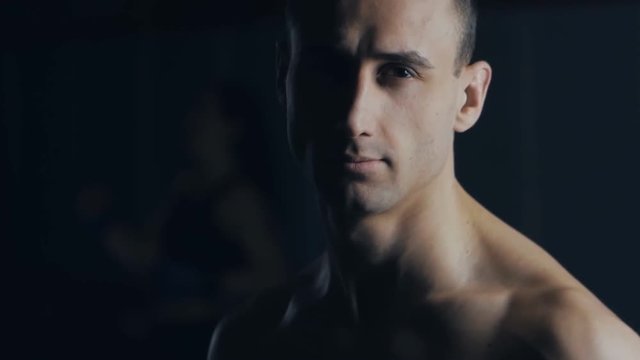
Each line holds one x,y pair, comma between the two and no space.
426,26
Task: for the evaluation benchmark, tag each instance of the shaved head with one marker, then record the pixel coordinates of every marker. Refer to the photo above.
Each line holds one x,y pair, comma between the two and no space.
467,16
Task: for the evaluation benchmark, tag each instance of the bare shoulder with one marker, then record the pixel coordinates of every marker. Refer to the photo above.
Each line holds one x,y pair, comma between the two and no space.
567,323
250,331
548,307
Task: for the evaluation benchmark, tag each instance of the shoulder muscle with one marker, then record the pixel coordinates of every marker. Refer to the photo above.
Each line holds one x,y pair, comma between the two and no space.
572,324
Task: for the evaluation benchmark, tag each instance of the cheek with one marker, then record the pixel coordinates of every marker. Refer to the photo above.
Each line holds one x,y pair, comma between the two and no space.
424,136
315,106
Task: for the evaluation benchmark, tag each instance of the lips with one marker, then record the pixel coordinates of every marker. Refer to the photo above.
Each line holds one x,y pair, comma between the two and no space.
357,159
361,164
339,160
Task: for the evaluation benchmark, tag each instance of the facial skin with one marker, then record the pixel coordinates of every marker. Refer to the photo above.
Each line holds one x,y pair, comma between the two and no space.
373,101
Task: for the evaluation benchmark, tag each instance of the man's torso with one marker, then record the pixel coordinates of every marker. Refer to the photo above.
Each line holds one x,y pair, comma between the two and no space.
296,322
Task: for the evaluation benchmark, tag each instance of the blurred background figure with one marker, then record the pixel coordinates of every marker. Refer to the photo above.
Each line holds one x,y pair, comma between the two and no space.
159,287
219,238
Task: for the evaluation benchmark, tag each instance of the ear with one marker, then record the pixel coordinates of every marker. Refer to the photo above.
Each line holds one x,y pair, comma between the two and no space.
475,79
282,66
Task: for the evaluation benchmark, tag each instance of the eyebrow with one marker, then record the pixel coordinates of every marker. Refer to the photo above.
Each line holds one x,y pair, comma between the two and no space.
407,57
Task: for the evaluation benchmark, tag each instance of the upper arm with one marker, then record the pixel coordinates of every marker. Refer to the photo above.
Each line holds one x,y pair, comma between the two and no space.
235,339
221,345
577,326
243,334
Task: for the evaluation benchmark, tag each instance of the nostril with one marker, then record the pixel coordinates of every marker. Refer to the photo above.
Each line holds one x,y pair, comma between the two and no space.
347,131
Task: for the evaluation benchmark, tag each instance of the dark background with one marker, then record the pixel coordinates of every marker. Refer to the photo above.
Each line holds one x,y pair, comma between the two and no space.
117,116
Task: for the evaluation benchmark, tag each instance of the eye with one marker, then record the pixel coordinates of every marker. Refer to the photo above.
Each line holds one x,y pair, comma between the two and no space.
396,71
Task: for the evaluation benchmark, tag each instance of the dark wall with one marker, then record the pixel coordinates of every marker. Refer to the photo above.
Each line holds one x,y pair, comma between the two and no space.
555,151
114,112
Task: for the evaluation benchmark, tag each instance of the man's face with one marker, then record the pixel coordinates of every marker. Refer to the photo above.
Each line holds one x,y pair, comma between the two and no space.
372,98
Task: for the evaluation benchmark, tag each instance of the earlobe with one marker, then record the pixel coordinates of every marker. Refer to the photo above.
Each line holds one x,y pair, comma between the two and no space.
282,66
476,80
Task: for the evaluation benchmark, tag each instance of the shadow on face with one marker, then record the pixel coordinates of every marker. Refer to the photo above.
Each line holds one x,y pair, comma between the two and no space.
371,81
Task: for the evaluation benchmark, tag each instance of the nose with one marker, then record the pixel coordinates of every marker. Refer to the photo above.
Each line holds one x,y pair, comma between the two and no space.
360,119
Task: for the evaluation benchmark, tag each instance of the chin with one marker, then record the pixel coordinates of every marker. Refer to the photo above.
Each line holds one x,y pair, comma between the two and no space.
362,200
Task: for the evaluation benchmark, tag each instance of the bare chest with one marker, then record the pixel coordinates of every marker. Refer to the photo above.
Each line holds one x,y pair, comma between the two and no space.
460,329
437,343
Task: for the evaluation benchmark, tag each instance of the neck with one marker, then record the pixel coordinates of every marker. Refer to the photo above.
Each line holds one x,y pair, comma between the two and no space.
420,248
